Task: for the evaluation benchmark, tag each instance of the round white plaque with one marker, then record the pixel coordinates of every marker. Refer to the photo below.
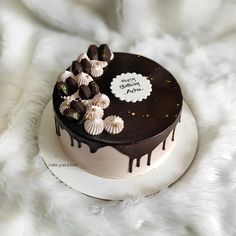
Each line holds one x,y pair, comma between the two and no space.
131,87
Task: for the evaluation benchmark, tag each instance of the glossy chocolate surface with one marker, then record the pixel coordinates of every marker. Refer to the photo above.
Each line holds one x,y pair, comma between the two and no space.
146,123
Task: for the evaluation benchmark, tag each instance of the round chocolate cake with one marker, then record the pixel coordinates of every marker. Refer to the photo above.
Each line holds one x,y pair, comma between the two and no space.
121,109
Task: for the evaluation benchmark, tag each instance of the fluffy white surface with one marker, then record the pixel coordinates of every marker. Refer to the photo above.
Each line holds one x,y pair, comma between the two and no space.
195,40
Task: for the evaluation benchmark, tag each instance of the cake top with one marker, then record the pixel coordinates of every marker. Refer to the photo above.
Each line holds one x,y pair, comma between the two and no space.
127,99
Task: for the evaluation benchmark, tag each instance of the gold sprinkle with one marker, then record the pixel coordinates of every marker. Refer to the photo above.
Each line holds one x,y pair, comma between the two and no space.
147,115
167,115
177,104
149,77
133,114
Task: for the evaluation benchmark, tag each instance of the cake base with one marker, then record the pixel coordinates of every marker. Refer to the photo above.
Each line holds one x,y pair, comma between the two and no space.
167,172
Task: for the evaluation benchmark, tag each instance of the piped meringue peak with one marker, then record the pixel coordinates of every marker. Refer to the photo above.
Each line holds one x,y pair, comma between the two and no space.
94,112
65,75
113,124
64,105
101,100
83,56
95,63
82,100
83,79
96,71
88,103
94,126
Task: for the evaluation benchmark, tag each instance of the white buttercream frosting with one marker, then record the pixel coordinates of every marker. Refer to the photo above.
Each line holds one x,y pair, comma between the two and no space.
113,124
65,75
83,79
95,63
71,97
88,103
83,56
101,100
97,67
94,112
64,105
96,71
94,126
67,100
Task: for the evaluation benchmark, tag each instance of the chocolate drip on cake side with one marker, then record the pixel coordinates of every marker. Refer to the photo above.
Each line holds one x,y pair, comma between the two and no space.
58,132
149,159
139,150
164,145
173,135
133,151
93,146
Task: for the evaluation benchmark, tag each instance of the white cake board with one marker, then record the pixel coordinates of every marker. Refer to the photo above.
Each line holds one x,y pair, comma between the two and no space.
170,170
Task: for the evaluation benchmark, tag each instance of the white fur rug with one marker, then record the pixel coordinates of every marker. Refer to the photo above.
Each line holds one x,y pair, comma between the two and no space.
195,40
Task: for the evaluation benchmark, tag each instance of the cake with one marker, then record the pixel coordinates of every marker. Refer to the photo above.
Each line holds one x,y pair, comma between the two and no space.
116,113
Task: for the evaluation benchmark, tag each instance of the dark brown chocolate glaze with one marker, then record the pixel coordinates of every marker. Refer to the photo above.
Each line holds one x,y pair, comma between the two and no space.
146,124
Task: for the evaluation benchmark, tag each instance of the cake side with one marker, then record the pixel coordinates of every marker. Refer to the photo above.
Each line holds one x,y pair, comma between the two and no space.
134,151
108,162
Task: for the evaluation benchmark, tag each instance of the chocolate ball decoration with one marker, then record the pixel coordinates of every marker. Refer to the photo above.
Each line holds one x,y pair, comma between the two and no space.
94,88
72,115
72,85
78,106
104,53
84,92
62,88
76,68
92,52
86,67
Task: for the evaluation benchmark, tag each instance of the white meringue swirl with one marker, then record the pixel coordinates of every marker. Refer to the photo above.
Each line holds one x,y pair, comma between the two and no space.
83,79
65,75
64,105
72,97
96,71
113,124
88,103
101,100
95,63
83,56
67,100
94,126
94,112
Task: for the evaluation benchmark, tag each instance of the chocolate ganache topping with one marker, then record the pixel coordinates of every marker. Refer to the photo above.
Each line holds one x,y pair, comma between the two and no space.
147,123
